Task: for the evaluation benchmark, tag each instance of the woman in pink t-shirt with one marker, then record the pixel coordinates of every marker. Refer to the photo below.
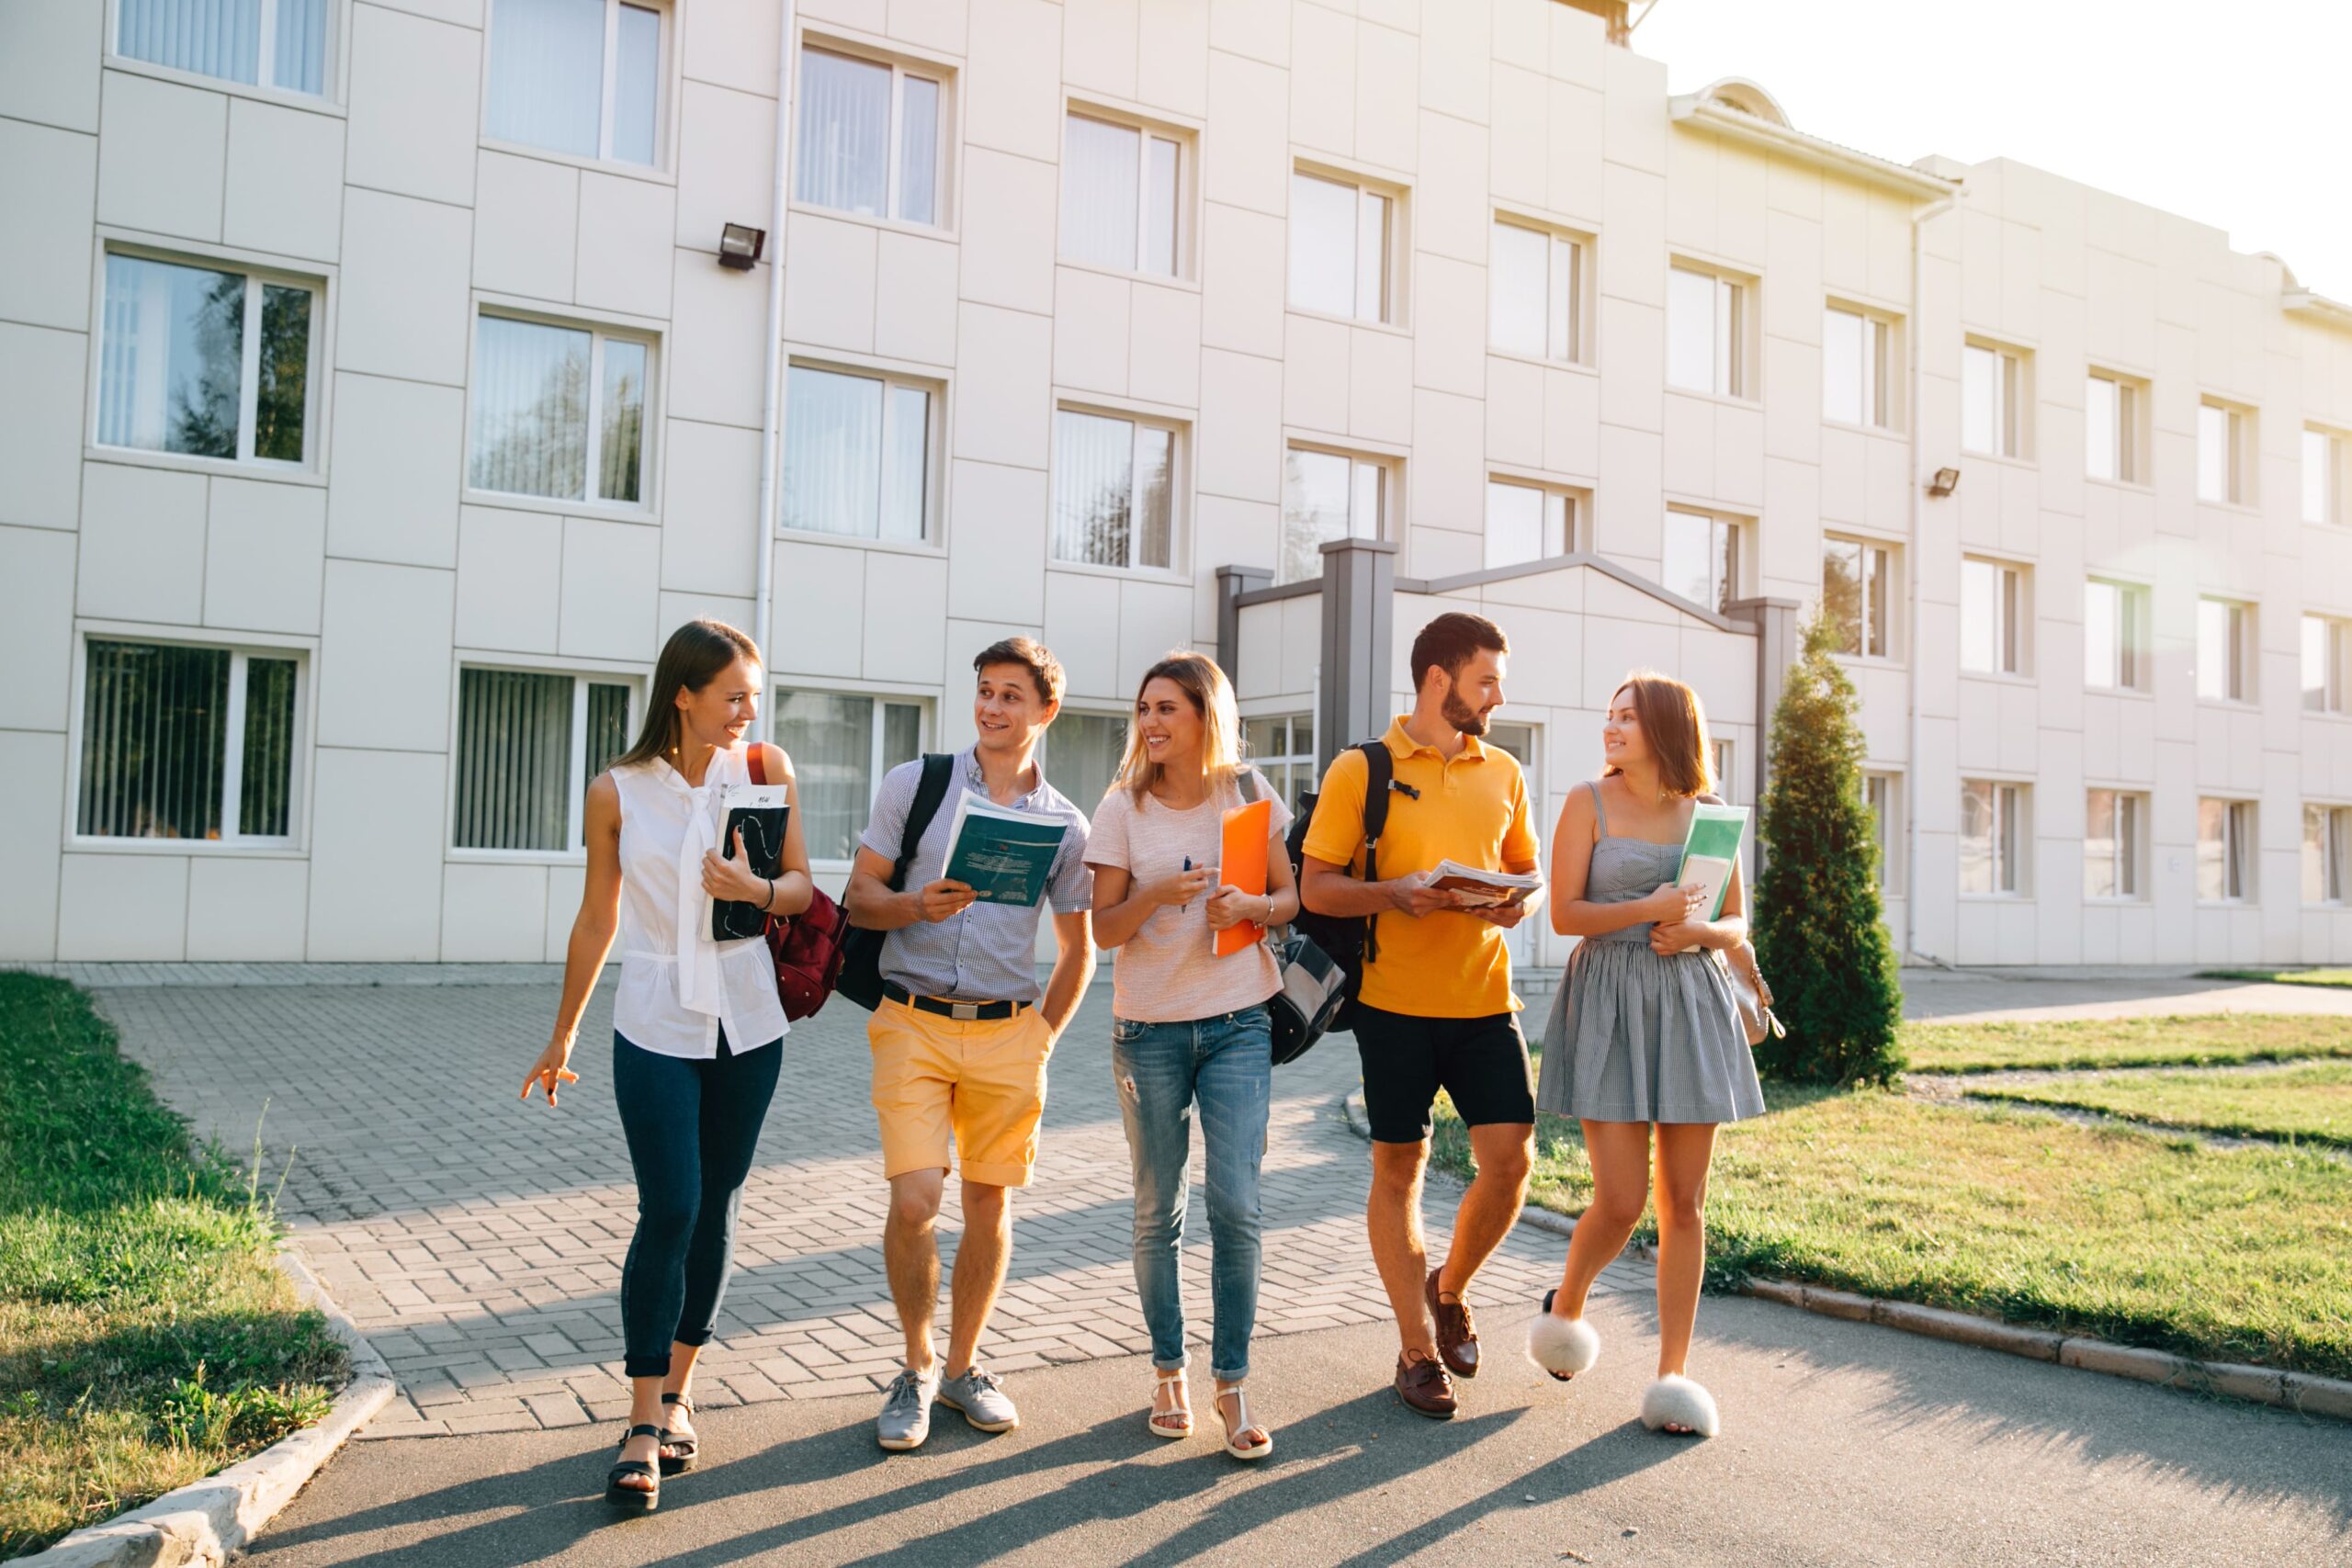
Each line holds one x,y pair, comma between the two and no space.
1189,1026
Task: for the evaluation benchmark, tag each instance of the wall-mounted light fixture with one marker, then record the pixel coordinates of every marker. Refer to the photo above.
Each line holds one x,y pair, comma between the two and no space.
740,246
1946,481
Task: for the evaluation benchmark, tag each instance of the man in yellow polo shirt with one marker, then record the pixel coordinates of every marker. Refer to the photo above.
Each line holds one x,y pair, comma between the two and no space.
1435,1010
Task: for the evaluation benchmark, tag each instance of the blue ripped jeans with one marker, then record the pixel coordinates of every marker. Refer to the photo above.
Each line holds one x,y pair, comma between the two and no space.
1226,1064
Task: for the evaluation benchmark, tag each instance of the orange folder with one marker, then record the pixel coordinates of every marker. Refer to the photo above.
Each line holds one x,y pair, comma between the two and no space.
1242,863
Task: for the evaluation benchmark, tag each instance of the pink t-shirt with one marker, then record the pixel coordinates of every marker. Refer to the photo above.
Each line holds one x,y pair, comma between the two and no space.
1169,972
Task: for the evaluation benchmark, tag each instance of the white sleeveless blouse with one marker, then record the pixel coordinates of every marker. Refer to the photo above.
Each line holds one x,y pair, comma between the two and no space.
677,986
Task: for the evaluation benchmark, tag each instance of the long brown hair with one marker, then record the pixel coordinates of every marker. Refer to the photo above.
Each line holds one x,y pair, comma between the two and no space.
1212,698
1674,727
695,655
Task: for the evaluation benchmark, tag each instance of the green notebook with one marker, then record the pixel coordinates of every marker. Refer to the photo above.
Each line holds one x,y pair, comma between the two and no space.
1712,849
1004,855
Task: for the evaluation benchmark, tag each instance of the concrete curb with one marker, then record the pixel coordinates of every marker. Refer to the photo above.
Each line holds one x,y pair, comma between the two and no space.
211,1521
2303,1393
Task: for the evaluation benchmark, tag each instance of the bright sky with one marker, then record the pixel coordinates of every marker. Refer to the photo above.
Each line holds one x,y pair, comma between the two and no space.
2231,112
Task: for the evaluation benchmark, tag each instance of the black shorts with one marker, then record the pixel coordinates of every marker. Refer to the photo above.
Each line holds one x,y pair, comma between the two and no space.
1481,1062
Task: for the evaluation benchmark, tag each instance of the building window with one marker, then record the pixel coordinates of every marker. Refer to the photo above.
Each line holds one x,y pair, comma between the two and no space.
1992,836
1706,331
1881,794
1082,752
1856,375
577,76
1535,293
206,362
1992,618
859,454
2327,854
2115,636
528,744
1281,747
841,745
2225,845
2327,664
2111,823
2226,651
1122,196
1719,764
188,743
1327,496
1856,594
2324,477
2222,433
277,43
869,138
1992,401
1341,236
1700,558
2111,428
556,405
1526,522
1114,484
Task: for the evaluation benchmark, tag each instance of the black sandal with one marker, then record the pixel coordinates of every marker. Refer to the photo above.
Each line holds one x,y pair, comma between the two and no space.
631,1498
687,1448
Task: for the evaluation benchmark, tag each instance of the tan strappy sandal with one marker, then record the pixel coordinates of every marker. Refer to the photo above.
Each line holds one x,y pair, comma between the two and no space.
1239,1425
1176,1421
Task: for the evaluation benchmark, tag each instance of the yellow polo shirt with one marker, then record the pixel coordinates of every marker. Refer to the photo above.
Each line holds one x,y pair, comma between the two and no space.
1472,810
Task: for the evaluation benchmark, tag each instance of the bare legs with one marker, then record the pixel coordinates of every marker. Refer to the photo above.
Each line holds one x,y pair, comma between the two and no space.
1619,1152
1392,1216
1683,1150
911,1254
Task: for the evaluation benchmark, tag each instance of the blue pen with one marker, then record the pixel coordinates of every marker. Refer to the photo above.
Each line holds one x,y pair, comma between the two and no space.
1187,903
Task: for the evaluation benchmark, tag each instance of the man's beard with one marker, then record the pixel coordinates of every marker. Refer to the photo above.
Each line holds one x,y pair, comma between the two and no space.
1462,715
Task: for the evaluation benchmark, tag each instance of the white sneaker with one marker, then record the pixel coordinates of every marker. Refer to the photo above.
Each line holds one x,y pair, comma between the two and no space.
982,1400
906,1412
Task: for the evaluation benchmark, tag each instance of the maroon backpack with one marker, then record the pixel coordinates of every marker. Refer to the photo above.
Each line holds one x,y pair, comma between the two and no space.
807,947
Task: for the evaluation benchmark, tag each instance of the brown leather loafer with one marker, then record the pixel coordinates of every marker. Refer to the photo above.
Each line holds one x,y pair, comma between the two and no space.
1423,1385
1457,1336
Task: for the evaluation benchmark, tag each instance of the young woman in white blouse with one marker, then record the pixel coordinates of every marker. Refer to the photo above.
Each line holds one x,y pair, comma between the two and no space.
697,1028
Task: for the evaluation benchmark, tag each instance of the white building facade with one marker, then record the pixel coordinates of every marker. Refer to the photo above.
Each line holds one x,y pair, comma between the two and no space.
377,402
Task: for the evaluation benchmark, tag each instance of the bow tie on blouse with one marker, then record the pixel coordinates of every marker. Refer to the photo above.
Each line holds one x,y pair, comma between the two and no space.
698,955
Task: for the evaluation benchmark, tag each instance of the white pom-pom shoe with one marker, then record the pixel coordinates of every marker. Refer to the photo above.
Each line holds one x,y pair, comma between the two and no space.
1675,1401
1561,1345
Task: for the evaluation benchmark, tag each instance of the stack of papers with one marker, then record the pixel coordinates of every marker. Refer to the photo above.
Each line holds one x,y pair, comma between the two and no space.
1004,856
1477,888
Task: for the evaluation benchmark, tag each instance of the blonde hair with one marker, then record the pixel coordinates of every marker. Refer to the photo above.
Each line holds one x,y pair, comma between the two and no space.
1674,727
1211,694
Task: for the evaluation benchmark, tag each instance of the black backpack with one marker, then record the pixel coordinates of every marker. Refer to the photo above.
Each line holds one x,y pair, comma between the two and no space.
1349,941
861,978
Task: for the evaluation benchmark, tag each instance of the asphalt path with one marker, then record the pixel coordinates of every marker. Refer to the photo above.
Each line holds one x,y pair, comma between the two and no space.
1843,1443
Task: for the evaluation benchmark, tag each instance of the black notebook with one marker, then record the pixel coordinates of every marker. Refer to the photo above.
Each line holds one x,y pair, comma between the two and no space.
759,811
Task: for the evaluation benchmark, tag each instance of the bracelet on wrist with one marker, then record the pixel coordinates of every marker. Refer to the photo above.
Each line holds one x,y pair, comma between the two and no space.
769,902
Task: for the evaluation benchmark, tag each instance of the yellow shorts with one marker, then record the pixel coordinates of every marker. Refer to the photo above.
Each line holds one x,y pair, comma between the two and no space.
983,1081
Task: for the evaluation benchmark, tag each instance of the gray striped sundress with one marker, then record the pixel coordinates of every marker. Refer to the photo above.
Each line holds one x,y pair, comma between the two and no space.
1635,1036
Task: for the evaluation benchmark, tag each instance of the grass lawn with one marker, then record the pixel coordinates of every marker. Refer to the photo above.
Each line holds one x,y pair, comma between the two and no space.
2196,1039
2312,1102
2282,976
2144,1239
145,1338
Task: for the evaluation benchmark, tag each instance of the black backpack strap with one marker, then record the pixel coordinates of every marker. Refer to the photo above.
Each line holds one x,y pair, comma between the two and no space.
936,766
1380,772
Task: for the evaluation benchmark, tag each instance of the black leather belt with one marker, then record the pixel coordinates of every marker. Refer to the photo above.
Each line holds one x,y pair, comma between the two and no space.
964,1011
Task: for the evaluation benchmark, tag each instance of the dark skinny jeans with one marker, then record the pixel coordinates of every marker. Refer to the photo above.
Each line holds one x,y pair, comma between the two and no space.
692,1126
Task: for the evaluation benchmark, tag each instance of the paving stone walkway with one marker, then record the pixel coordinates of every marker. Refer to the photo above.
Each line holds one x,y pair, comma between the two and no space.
477,1241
